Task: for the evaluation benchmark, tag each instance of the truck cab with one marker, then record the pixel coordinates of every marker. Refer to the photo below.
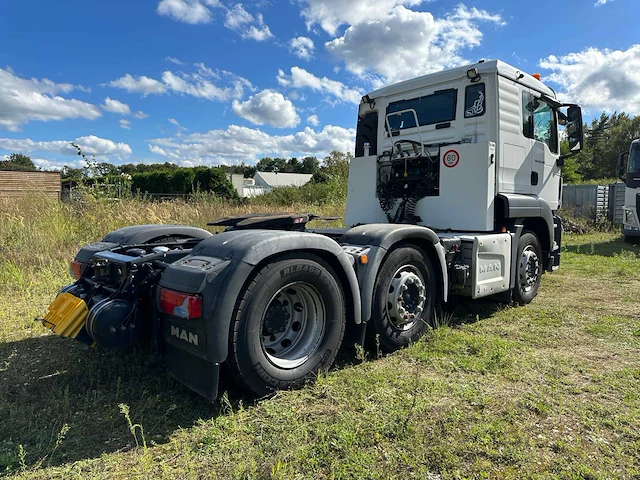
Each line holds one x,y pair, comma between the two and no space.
469,149
631,178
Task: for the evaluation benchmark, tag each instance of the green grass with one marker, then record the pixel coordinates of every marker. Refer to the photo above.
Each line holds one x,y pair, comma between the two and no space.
550,390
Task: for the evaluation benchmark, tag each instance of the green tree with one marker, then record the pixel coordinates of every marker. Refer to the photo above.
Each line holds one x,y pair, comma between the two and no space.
18,162
310,165
605,138
70,173
337,164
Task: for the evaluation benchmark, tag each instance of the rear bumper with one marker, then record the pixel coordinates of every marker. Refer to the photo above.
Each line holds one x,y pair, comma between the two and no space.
628,232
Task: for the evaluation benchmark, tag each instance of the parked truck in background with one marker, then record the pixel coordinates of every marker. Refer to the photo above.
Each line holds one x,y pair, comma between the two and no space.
453,191
631,177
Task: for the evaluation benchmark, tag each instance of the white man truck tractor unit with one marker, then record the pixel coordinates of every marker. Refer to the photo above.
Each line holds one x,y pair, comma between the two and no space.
453,189
631,178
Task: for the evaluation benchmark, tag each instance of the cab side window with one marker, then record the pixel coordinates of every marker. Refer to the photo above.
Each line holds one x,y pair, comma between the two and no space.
539,121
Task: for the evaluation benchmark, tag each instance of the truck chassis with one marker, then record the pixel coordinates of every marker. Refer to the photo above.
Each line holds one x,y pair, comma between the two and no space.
273,300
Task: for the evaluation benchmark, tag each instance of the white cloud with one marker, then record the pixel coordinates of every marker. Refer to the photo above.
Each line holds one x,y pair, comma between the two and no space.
90,145
115,106
330,14
302,47
196,84
174,60
599,3
405,43
142,84
248,26
56,165
241,144
301,78
174,121
187,11
268,107
23,100
313,120
200,11
126,124
599,80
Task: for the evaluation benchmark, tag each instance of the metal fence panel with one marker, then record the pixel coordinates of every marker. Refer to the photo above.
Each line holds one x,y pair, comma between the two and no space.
616,201
586,200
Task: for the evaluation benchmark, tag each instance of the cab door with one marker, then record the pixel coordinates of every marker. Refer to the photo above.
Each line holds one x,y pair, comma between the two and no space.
541,127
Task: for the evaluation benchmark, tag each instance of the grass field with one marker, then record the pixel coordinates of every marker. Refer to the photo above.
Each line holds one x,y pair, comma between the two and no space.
550,390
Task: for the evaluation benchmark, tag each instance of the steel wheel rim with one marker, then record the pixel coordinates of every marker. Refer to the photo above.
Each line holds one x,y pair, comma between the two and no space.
293,325
406,297
528,269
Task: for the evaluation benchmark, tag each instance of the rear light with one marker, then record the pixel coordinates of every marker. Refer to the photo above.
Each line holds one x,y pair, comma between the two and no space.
180,305
76,269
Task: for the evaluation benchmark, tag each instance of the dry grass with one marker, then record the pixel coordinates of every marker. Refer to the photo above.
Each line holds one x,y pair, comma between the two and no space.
550,390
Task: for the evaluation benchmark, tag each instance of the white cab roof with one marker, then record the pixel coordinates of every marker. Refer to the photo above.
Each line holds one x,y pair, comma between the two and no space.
445,76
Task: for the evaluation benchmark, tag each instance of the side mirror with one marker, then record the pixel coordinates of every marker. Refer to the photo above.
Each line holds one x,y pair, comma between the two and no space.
574,128
575,131
620,165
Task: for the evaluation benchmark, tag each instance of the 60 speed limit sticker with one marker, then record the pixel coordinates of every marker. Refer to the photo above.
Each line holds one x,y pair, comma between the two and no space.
451,158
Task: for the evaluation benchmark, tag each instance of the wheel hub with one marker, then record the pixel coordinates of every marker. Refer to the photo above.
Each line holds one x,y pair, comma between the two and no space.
529,269
406,297
293,325
276,319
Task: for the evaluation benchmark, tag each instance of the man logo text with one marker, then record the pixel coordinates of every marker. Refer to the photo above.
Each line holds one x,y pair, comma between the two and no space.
491,267
184,335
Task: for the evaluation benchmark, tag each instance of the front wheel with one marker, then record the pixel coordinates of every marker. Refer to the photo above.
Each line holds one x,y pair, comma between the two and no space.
404,297
288,326
529,269
631,240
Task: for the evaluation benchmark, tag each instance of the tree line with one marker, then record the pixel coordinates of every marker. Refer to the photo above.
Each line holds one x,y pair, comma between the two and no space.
171,179
605,138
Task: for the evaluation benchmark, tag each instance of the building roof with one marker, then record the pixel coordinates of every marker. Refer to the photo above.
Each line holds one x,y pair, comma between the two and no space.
275,180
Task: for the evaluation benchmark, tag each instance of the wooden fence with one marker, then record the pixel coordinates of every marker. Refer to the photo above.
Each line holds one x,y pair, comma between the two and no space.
15,184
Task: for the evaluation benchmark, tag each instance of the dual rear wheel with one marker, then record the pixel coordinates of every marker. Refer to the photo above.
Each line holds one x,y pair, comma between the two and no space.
289,324
291,317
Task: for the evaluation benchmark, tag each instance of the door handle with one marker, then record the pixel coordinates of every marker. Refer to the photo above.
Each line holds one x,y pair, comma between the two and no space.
534,178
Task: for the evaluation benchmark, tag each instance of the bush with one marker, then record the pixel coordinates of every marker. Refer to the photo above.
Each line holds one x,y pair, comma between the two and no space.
184,181
332,192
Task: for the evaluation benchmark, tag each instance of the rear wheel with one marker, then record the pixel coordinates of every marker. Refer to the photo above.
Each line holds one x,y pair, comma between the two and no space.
404,297
631,240
529,269
289,324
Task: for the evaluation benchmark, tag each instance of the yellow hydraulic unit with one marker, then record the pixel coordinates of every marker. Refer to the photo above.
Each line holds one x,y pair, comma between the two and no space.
67,315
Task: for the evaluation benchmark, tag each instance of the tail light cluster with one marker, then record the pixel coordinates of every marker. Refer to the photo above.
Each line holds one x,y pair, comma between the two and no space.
180,305
76,269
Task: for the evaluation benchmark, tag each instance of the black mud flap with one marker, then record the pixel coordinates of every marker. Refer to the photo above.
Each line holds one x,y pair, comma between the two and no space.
196,373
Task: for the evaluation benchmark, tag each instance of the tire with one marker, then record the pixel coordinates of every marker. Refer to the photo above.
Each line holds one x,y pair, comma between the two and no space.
528,269
408,269
288,326
631,240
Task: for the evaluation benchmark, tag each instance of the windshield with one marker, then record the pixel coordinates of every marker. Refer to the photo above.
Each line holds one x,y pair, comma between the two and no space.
634,158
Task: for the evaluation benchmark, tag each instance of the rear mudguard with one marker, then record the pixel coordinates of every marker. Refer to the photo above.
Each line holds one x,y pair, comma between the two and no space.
380,238
219,268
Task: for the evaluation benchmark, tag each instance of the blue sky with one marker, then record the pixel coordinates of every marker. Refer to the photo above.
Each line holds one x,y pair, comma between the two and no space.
219,81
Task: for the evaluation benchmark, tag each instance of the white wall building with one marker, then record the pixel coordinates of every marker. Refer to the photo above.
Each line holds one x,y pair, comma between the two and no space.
264,182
